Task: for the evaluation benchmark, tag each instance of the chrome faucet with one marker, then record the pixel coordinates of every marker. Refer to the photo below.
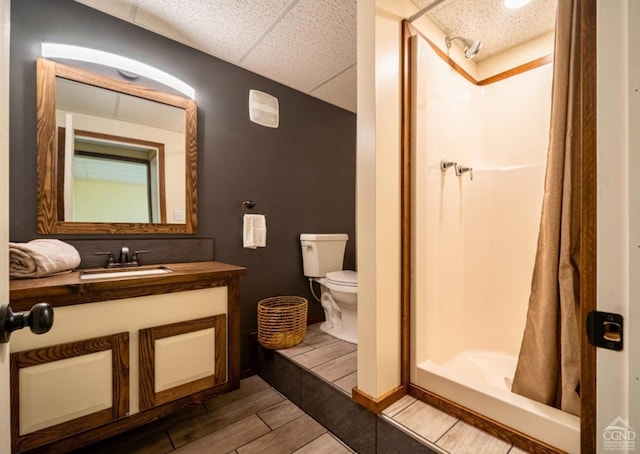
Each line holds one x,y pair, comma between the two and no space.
124,256
125,259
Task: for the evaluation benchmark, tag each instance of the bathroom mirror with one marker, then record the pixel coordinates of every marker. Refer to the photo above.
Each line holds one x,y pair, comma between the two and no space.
113,156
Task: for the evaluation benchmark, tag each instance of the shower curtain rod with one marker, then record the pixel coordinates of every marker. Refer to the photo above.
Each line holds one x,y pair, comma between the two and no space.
424,10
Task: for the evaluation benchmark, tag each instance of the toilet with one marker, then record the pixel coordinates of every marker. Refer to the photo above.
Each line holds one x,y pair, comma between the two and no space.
322,258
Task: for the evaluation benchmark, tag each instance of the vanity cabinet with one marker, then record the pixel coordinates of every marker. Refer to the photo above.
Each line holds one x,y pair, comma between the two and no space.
123,353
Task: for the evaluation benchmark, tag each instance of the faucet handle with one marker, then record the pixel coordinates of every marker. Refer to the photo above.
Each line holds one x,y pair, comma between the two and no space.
110,260
460,169
444,165
134,259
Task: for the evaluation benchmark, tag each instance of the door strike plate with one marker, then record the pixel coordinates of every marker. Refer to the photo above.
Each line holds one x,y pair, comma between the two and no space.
605,330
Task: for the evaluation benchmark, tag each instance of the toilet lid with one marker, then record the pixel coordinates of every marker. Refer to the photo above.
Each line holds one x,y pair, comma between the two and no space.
347,278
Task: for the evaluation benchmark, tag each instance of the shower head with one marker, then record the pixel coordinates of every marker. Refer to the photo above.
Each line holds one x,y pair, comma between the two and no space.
471,47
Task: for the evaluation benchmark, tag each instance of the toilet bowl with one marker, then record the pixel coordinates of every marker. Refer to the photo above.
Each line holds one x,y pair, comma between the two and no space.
339,298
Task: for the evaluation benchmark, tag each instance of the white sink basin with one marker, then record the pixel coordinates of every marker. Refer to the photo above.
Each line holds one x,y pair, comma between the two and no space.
129,272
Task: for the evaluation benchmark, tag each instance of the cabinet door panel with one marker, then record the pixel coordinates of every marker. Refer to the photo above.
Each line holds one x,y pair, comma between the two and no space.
63,389
180,359
184,358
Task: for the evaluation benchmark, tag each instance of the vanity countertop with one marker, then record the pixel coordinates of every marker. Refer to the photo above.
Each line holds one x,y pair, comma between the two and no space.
68,289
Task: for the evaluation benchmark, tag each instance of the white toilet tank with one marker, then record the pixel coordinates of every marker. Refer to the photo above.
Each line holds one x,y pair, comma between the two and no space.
322,253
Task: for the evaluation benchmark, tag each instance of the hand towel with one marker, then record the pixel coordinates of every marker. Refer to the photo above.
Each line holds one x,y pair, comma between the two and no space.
254,231
39,258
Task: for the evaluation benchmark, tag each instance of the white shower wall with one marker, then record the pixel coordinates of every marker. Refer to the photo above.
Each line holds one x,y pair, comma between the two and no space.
475,240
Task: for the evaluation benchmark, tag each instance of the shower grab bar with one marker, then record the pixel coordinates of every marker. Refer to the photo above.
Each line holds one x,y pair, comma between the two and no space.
460,170
444,165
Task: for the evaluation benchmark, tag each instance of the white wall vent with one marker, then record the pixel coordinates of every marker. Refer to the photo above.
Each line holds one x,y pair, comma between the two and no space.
263,109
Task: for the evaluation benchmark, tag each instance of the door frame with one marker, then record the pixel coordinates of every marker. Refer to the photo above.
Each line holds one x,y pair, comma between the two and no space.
5,418
618,401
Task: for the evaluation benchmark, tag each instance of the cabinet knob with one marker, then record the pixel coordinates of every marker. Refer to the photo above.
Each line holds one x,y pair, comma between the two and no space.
39,319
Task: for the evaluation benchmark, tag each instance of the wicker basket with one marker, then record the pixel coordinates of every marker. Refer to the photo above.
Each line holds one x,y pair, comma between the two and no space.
282,321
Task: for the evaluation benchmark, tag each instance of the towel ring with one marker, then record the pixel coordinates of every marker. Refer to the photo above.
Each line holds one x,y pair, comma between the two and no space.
247,205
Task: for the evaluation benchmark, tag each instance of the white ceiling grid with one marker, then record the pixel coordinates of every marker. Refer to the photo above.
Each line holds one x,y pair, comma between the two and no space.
230,28
310,45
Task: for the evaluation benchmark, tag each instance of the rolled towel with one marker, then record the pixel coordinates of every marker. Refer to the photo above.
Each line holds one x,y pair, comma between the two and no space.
39,258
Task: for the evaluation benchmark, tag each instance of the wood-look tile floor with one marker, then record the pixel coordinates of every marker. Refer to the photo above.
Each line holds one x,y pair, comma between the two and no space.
258,419
252,419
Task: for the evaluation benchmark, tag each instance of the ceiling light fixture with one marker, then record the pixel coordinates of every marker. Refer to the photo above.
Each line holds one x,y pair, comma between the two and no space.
69,52
514,4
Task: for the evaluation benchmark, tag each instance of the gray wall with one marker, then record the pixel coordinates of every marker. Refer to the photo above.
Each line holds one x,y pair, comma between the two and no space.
302,175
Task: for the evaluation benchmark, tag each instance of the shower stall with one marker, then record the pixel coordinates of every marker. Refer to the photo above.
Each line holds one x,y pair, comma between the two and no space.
478,167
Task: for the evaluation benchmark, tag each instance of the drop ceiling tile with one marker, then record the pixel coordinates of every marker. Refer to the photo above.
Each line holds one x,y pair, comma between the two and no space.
226,29
498,27
340,91
119,8
421,4
314,41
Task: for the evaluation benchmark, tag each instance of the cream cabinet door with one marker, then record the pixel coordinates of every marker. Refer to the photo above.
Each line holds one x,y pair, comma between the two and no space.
68,388
180,359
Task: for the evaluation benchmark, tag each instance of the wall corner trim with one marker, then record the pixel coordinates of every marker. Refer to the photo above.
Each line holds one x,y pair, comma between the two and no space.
376,405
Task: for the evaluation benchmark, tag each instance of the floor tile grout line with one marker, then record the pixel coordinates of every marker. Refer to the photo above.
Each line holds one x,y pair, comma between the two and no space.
327,362
313,348
231,422
447,431
342,443
396,412
277,403
333,382
173,445
328,344
326,380
402,411
251,441
419,438
408,429
311,441
340,378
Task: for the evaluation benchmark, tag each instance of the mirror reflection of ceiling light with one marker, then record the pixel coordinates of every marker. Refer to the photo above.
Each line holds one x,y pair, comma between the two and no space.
513,4
55,50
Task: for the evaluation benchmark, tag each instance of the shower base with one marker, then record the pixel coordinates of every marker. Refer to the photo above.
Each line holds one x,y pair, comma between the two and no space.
481,381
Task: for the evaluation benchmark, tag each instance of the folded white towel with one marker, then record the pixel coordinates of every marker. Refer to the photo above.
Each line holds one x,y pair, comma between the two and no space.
254,231
39,258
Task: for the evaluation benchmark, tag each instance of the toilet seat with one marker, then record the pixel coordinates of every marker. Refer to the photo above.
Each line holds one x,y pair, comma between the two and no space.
344,278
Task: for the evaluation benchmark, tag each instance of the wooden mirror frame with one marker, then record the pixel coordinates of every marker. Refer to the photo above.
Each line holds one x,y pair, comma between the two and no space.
47,151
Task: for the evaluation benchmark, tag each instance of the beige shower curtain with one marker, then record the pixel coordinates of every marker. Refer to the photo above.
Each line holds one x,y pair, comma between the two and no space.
548,368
